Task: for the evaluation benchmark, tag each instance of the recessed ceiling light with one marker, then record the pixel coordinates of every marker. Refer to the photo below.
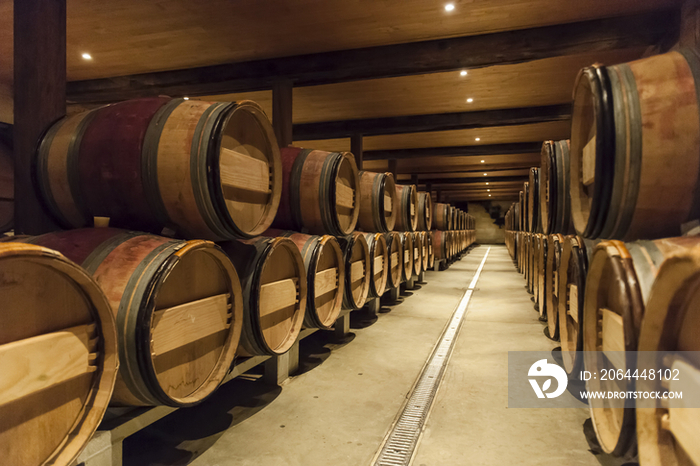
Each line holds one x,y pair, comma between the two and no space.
488,190
449,7
484,174
186,98
477,139
470,100
489,195
487,182
463,73
87,56
482,161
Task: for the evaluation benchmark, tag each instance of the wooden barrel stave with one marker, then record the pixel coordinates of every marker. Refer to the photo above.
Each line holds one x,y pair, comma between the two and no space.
395,253
552,269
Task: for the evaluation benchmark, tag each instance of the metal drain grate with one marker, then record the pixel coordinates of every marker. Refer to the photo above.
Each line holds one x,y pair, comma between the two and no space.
400,445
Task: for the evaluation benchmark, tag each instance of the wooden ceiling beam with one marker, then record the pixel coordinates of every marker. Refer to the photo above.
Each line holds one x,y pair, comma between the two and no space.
455,151
435,122
431,56
482,180
437,177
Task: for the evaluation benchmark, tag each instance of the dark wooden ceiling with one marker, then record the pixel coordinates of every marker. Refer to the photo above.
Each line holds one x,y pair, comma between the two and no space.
389,70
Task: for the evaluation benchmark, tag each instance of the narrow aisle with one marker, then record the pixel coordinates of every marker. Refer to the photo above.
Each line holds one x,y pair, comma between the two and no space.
339,412
470,423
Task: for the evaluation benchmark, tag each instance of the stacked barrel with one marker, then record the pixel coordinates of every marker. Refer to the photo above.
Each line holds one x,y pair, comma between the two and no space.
454,232
605,231
190,238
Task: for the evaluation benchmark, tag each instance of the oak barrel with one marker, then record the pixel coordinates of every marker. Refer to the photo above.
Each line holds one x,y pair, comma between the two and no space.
58,356
441,216
431,251
357,270
551,286
425,211
321,192
377,202
379,262
395,253
417,241
407,248
151,283
533,204
407,207
325,276
626,120
619,282
7,189
199,169
573,269
541,266
668,340
274,284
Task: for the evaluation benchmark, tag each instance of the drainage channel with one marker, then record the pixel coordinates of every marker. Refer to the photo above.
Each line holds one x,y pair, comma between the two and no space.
400,444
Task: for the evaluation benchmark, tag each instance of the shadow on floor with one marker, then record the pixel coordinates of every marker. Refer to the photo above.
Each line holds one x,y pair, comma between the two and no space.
182,436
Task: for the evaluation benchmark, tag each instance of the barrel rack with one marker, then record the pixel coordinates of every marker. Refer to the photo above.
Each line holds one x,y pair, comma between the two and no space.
106,446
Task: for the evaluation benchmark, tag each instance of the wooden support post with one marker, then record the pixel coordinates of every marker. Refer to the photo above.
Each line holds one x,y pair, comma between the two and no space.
356,149
392,169
276,368
282,112
393,295
342,326
414,179
39,98
429,189
438,193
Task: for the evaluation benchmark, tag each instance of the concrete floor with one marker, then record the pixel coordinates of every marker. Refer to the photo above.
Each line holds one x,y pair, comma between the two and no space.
338,411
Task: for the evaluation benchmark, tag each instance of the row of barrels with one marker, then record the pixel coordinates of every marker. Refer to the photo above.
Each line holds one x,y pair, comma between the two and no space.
103,316
210,170
625,307
631,169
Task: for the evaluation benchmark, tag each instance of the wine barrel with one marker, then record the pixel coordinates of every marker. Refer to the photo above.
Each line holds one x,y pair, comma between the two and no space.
667,429
151,282
562,216
575,257
377,202
424,249
200,169
532,264
357,270
526,206
7,189
58,356
425,211
274,293
407,207
431,251
441,216
395,253
417,253
407,248
551,287
320,192
626,120
325,276
379,262
548,187
541,266
439,244
620,278
533,206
